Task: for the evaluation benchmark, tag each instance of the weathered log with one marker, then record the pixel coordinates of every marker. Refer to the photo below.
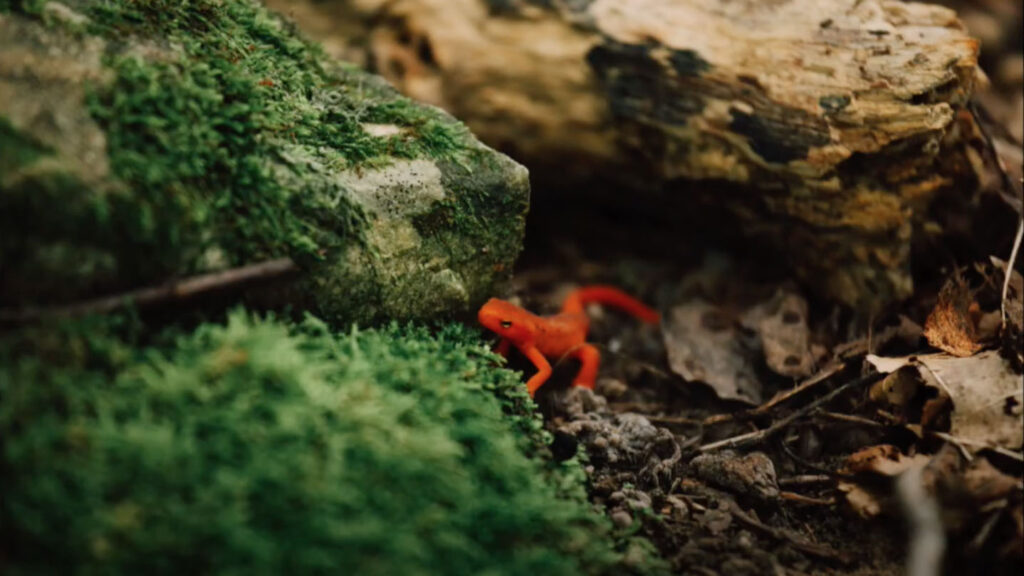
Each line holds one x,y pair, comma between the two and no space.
838,114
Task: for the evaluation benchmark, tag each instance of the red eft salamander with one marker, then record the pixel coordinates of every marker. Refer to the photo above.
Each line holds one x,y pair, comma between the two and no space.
558,336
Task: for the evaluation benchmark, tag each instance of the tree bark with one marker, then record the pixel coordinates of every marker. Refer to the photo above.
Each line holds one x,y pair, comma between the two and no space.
838,114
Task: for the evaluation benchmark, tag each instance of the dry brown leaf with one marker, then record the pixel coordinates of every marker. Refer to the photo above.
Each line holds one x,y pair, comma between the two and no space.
986,397
985,392
785,337
864,502
952,324
898,388
883,459
890,364
704,345
985,483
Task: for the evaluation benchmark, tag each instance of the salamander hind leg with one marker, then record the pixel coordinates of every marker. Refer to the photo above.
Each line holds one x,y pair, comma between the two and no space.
590,359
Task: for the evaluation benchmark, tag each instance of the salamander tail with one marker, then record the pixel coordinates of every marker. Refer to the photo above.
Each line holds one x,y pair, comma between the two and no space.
608,296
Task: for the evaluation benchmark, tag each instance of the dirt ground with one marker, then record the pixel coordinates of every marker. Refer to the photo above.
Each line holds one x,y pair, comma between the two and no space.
774,505
810,494
757,430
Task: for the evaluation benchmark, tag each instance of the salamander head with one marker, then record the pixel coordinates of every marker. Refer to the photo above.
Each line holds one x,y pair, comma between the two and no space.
506,320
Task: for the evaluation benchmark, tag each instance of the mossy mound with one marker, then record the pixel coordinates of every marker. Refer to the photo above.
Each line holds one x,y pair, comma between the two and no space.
150,139
258,448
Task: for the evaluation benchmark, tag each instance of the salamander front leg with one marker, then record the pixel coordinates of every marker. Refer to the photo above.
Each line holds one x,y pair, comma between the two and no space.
543,369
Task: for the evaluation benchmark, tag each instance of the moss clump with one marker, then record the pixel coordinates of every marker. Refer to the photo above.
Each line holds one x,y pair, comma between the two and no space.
253,447
18,149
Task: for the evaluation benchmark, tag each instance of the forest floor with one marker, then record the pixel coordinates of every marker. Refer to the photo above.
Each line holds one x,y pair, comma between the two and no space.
759,431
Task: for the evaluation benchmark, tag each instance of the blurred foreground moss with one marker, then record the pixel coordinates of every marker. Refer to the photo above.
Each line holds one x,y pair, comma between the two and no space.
259,447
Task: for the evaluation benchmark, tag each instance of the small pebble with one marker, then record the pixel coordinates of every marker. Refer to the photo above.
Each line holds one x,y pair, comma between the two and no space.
622,519
611,388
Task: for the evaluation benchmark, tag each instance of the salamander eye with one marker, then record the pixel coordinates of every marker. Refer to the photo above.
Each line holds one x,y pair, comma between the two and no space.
506,324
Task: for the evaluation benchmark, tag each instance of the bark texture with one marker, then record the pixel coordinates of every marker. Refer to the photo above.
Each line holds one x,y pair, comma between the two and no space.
839,114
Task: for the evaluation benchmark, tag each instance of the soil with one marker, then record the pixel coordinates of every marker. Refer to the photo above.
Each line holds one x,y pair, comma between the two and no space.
773,507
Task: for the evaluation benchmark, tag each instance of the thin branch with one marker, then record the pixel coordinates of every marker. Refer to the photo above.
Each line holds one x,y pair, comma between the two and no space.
956,440
752,438
1009,268
152,295
805,479
927,540
810,548
802,499
822,375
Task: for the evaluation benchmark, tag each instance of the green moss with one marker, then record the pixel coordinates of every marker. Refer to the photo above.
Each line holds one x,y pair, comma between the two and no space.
33,7
18,149
303,102
470,217
253,447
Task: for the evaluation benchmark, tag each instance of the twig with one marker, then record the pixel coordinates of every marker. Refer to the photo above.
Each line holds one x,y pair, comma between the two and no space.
805,479
823,375
850,418
1009,268
152,295
759,436
981,445
981,537
818,550
801,499
811,465
927,540
1010,190
957,444
674,420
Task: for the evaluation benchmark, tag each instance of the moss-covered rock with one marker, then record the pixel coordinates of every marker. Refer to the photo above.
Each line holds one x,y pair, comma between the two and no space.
258,448
147,139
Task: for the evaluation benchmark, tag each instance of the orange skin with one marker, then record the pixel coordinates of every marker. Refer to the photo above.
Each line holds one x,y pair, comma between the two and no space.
564,334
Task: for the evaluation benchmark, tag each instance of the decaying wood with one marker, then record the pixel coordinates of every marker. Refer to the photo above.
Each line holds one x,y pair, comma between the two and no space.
839,113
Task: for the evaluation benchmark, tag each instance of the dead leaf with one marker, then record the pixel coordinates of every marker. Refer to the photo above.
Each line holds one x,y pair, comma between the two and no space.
984,482
985,392
898,388
704,345
785,337
866,503
986,397
883,459
888,365
1013,309
952,324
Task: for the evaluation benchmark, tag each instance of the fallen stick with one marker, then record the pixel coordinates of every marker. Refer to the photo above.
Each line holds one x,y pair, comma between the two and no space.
821,376
752,438
153,295
819,550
